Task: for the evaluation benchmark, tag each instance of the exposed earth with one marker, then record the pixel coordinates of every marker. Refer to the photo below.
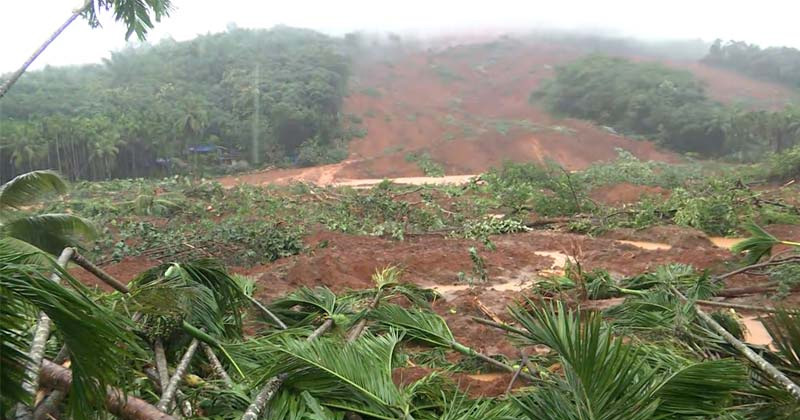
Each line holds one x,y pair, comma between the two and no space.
468,108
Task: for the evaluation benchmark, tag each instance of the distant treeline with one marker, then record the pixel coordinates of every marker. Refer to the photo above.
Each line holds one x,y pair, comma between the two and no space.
666,105
779,64
152,109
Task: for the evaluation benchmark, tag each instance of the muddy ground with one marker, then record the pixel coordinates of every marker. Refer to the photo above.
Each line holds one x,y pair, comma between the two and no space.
346,262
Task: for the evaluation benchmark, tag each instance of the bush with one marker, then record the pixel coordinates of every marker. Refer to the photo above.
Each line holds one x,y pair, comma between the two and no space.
784,166
548,190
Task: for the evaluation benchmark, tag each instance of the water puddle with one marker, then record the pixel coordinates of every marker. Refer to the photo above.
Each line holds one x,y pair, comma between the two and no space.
518,283
414,180
726,243
486,377
650,246
756,332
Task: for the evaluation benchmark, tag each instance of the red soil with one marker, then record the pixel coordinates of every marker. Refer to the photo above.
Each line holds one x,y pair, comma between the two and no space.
347,262
625,193
467,106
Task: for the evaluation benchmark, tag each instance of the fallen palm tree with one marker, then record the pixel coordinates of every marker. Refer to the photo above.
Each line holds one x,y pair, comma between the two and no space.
116,401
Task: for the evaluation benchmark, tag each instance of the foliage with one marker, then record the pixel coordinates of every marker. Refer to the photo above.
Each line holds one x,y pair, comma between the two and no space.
780,64
47,231
783,166
177,106
136,15
97,338
547,189
606,378
652,100
759,244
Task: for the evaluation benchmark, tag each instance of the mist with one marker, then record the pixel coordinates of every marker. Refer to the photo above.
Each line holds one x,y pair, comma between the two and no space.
769,24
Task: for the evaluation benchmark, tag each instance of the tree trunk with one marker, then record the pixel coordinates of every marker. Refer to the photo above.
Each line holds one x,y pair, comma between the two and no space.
754,358
217,365
169,392
49,405
269,313
272,386
161,363
362,323
322,329
36,354
117,403
99,273
17,74
263,397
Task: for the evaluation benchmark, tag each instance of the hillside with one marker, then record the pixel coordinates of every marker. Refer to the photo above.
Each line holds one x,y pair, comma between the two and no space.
467,108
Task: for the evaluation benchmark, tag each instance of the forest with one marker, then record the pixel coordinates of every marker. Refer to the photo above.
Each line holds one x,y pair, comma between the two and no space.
668,105
779,64
154,110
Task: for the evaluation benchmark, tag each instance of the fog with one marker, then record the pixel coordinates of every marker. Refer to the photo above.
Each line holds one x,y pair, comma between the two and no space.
25,24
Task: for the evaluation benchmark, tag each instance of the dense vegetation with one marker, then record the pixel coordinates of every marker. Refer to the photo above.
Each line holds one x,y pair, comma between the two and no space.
670,106
779,64
154,109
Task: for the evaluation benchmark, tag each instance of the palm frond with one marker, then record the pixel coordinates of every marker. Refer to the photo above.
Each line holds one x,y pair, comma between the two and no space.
387,277
29,188
353,376
606,378
213,298
98,339
32,255
421,325
784,328
701,389
50,232
759,244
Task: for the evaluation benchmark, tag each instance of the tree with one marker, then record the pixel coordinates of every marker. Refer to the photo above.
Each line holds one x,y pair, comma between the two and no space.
135,14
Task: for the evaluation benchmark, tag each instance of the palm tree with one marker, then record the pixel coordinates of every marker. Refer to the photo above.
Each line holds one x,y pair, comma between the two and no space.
50,232
135,14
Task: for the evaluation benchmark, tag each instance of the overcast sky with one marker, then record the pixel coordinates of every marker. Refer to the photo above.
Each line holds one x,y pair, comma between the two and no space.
24,24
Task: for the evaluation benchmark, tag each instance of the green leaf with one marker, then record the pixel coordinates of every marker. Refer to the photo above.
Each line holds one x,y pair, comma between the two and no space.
30,188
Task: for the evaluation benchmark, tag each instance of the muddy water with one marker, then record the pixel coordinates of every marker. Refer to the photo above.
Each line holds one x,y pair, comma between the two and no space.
518,283
726,243
756,333
414,180
650,246
485,377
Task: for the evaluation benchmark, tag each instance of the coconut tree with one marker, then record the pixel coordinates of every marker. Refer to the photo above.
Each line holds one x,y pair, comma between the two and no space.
135,14
50,232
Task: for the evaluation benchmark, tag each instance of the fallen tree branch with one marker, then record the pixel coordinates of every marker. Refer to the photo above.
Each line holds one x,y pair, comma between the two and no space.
269,313
500,325
754,358
169,392
522,364
117,402
772,261
748,290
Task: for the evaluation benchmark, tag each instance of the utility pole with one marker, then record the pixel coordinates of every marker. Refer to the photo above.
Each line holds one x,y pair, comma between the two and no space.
256,115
